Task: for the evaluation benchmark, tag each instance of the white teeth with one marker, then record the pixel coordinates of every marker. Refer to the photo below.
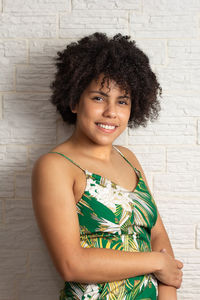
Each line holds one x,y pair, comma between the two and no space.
106,126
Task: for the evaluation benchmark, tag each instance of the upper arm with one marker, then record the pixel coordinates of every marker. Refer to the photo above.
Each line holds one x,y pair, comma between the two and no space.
55,210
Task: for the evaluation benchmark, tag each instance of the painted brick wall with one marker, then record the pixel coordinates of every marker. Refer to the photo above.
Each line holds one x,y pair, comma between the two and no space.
31,32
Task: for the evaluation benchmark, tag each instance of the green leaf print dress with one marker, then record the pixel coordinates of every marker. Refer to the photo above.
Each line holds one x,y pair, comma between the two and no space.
112,217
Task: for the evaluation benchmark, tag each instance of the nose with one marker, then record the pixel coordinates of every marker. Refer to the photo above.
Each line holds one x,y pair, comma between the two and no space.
110,110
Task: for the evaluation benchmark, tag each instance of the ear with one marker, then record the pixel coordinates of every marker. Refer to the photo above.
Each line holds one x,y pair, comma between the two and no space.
74,109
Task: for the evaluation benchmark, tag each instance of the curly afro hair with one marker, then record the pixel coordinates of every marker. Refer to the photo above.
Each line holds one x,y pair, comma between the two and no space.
118,59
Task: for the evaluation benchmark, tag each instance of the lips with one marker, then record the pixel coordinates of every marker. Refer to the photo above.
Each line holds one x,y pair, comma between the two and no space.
107,127
106,123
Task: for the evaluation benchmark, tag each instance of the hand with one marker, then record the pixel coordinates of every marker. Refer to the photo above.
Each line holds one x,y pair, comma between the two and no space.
169,271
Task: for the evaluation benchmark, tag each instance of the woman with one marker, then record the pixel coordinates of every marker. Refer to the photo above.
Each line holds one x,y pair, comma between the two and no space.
91,198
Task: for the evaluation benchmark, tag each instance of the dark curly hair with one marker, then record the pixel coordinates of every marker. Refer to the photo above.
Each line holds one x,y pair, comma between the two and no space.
118,59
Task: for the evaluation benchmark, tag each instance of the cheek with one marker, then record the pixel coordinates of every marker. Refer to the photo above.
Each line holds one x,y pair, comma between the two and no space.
92,111
124,115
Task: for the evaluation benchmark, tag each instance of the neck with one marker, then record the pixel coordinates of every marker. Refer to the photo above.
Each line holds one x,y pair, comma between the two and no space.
89,148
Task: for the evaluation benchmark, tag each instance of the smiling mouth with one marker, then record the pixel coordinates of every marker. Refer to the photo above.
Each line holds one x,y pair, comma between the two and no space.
106,128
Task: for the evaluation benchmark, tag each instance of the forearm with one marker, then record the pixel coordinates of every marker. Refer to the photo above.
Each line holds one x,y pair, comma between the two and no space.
106,265
165,292
160,242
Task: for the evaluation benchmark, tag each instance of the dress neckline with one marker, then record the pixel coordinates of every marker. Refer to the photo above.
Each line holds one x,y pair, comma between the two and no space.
107,180
98,177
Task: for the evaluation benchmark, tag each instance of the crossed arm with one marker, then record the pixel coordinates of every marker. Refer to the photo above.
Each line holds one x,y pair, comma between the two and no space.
159,241
159,237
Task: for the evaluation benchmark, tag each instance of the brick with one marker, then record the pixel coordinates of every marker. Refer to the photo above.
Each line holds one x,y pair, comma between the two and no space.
42,263
21,231
84,22
7,185
33,121
44,51
23,186
40,288
14,157
188,294
2,152
15,51
1,212
5,132
28,121
157,26
13,263
177,105
38,6
32,135
113,4
26,237
198,236
181,236
183,53
198,133
27,26
19,213
34,78
6,76
171,7
37,114
172,184
190,285
166,131
185,210
1,109
154,49
184,159
28,97
172,79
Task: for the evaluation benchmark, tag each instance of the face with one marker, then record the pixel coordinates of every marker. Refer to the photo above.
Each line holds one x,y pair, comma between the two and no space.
102,113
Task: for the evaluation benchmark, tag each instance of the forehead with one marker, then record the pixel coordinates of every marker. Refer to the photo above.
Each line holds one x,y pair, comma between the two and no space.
107,85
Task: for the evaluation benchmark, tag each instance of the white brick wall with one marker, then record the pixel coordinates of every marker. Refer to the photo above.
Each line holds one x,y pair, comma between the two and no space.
31,32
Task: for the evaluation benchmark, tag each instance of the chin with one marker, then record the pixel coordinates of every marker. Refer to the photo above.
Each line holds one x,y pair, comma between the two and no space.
104,140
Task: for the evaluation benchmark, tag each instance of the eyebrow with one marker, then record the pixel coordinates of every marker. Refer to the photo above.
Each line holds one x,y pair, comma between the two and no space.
106,95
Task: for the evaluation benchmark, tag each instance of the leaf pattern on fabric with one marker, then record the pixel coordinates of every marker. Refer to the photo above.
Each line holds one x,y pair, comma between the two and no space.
112,217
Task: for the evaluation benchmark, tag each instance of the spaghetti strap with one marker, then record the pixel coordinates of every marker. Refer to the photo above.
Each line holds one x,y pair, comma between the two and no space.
126,159
69,160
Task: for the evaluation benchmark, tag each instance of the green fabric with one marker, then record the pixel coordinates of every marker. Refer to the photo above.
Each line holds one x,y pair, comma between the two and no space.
112,217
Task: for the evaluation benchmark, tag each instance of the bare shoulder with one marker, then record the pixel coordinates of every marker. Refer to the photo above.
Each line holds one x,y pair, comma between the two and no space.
130,155
133,160
52,164
49,174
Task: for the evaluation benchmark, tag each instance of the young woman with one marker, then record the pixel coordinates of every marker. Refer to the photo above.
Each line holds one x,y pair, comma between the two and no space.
91,198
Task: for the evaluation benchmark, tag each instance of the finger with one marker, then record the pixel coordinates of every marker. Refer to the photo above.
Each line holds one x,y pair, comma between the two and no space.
179,264
163,250
177,284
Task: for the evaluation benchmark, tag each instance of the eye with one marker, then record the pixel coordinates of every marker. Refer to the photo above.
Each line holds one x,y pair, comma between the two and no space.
97,98
123,102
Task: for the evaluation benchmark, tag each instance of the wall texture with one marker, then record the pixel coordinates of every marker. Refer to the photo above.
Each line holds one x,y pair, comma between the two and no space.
31,32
